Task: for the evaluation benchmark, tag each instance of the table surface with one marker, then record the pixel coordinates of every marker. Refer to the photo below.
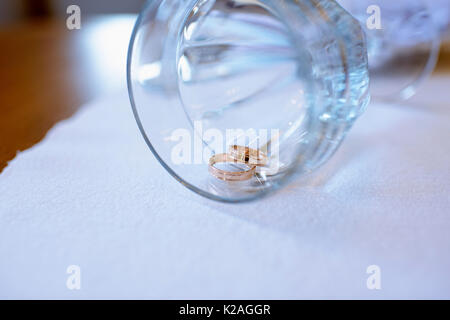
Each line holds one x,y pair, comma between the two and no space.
92,196
48,72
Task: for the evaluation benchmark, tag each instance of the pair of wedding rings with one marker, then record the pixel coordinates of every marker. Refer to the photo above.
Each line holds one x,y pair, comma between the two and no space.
252,158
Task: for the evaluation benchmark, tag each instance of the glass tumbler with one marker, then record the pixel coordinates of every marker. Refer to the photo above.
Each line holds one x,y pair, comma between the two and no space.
237,97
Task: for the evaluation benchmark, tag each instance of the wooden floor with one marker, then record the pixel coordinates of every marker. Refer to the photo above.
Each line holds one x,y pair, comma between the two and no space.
46,74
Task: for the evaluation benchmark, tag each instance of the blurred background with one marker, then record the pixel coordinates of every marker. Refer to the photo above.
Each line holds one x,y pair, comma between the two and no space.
15,10
47,71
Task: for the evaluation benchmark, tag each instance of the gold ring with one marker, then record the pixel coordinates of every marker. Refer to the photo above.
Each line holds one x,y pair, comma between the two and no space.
229,175
248,155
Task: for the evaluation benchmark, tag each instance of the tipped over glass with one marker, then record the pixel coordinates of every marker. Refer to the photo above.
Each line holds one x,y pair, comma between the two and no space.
284,79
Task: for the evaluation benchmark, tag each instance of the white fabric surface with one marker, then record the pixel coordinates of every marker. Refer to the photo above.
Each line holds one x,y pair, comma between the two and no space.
92,194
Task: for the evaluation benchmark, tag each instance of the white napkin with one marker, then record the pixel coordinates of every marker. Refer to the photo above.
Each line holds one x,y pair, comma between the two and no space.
92,195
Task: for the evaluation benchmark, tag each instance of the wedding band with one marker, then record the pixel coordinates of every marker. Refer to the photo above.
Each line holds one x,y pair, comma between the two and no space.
248,155
229,175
